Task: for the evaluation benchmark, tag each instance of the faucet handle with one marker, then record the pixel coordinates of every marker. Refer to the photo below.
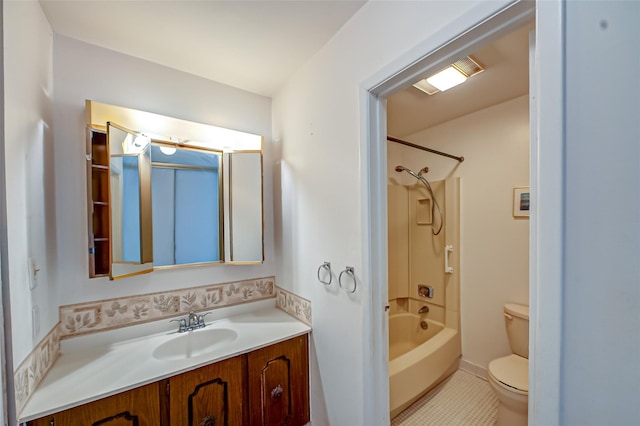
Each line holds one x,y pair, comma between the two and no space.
182,324
201,319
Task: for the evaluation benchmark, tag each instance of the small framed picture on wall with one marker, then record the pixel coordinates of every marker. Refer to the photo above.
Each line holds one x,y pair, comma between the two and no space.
521,201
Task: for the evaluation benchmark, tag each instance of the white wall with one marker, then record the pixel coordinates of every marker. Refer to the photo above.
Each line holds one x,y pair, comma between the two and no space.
601,306
29,168
494,267
83,71
318,189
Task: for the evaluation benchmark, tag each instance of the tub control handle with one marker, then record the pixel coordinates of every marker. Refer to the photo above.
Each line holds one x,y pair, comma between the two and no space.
447,250
425,291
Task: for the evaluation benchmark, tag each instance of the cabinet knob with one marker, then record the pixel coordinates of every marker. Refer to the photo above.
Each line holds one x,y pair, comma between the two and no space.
208,421
276,392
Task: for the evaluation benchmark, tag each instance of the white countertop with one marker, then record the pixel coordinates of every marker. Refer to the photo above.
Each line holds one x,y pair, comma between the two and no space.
99,365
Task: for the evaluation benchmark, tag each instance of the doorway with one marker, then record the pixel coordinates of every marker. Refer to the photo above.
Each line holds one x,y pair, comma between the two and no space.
485,123
480,26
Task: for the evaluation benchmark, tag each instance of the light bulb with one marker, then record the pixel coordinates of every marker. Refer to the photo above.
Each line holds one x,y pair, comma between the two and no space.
141,142
168,150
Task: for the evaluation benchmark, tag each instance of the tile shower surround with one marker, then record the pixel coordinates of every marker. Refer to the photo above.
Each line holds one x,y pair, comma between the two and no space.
102,315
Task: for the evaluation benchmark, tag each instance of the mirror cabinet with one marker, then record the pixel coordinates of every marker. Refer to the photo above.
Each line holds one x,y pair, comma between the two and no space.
164,192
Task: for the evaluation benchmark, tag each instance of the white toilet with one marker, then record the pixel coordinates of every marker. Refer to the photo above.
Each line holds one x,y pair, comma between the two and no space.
509,375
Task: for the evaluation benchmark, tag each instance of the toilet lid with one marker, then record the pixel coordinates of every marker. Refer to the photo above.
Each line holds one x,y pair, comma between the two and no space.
512,370
520,311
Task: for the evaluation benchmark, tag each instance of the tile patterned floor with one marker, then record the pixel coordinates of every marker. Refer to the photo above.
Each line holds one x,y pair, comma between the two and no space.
461,400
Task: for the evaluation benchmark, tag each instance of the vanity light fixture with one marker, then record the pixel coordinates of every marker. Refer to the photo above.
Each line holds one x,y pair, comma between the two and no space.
453,75
141,141
195,134
135,145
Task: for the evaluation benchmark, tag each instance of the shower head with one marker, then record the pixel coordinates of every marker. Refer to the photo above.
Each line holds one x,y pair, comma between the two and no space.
411,172
408,170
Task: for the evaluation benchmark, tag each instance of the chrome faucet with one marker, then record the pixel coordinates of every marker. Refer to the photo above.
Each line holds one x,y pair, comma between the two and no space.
423,310
192,322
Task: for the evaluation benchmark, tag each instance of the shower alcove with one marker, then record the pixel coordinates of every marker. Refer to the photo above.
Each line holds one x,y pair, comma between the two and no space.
424,348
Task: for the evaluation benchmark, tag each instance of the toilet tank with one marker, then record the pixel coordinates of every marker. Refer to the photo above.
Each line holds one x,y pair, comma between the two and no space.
516,318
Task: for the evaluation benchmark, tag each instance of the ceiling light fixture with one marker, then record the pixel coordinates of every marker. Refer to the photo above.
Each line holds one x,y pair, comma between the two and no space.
168,150
447,78
455,74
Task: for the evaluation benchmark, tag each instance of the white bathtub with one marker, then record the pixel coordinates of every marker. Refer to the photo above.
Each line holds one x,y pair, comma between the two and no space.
418,359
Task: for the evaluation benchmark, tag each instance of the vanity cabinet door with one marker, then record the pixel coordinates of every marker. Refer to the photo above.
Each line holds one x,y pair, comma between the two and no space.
137,407
209,396
278,378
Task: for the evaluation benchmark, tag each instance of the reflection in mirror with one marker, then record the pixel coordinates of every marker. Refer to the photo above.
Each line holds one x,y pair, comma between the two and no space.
245,207
185,205
125,195
131,250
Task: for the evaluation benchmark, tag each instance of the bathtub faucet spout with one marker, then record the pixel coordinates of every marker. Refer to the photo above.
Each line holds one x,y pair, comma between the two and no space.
423,310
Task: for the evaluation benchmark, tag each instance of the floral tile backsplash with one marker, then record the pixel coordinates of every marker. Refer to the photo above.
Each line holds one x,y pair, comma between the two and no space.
294,305
31,371
103,315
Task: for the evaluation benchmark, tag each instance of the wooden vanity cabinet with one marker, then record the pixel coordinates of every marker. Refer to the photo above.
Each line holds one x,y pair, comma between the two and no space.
137,407
278,383
209,396
266,387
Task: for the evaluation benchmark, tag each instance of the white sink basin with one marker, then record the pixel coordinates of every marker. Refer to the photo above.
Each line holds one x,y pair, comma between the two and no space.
194,343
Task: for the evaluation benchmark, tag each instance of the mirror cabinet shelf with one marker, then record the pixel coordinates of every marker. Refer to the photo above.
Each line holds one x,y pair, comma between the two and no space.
98,200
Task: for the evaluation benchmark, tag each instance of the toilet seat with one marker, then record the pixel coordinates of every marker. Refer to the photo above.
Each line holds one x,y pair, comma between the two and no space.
511,372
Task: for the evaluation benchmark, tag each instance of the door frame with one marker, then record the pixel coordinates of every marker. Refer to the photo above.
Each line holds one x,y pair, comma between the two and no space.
483,24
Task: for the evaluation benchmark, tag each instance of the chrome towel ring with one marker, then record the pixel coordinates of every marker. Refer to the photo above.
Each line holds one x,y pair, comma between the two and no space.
326,266
349,271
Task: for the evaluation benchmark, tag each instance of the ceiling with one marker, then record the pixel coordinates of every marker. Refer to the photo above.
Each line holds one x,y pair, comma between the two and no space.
251,45
257,45
506,76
